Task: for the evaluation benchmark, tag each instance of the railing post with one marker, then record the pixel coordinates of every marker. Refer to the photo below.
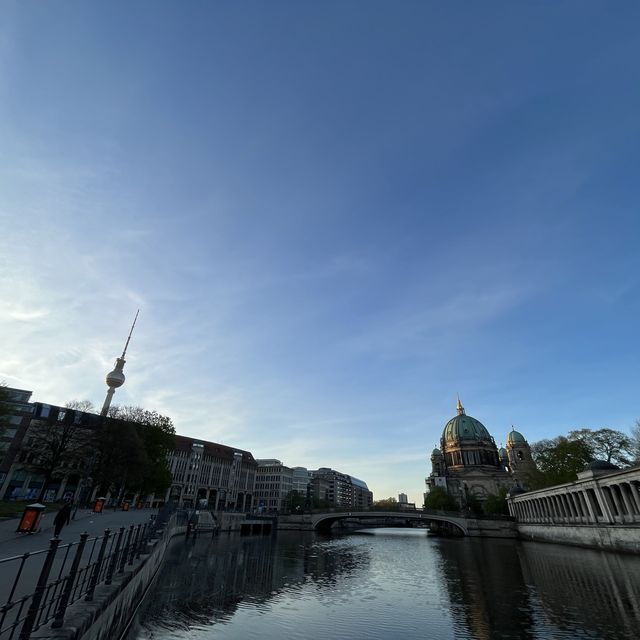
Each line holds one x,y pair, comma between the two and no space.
125,551
142,540
32,614
134,546
96,569
114,557
68,587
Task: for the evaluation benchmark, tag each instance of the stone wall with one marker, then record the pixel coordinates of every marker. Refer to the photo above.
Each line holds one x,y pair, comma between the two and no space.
610,538
491,528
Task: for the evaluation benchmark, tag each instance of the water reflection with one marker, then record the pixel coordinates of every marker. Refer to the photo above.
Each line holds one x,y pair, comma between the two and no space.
489,598
204,582
503,589
594,592
388,585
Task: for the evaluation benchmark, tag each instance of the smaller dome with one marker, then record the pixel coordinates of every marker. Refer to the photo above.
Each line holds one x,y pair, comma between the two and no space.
515,437
436,453
502,452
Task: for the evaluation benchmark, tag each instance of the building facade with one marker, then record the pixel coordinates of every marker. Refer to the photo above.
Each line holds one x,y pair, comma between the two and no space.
274,482
211,475
41,436
469,465
300,480
19,411
334,489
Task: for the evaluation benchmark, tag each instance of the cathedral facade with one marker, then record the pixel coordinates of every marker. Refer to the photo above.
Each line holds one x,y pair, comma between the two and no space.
469,464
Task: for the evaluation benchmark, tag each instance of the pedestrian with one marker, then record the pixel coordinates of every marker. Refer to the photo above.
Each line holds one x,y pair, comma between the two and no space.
62,517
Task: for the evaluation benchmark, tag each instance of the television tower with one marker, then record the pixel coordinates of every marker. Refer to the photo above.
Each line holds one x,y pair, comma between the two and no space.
116,377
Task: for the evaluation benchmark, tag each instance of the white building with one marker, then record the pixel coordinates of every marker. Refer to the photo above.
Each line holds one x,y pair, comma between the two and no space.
274,482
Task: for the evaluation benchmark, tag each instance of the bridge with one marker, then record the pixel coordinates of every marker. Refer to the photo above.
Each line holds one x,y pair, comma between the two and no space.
324,521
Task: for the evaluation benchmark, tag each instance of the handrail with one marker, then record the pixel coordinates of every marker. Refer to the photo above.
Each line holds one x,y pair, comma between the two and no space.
70,572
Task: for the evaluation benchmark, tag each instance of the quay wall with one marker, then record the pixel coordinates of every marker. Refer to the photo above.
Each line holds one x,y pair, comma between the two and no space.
621,538
110,612
492,529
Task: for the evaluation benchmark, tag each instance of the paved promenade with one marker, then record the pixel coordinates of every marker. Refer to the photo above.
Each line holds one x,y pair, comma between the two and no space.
13,544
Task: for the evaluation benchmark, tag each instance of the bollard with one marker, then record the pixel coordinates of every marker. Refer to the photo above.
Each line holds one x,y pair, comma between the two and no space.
30,619
114,558
96,569
68,587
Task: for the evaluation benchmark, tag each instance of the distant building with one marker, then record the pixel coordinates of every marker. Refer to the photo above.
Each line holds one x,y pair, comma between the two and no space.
274,482
468,463
402,498
211,474
300,480
337,489
12,434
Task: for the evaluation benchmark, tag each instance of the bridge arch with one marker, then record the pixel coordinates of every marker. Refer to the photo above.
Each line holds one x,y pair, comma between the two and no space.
324,521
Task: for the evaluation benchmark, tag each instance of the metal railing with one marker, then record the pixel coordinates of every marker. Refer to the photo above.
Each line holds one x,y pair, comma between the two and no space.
46,582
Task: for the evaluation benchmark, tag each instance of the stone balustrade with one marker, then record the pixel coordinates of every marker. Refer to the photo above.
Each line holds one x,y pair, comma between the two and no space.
600,495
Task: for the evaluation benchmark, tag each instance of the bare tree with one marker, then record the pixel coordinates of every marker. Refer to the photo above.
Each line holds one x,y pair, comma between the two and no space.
606,444
81,405
635,442
56,446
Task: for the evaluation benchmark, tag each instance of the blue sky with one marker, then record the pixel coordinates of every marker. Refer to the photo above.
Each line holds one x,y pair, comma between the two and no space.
333,216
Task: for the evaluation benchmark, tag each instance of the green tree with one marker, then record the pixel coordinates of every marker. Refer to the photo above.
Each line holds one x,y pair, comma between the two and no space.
386,504
559,460
606,444
134,451
296,500
496,503
473,504
439,498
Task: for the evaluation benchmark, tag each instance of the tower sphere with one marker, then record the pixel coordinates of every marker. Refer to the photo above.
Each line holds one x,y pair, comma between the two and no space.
115,379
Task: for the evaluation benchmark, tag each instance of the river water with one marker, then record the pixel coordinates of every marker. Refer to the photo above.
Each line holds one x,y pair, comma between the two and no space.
389,583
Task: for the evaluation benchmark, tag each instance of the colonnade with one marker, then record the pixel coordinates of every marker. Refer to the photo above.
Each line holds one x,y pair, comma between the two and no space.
611,498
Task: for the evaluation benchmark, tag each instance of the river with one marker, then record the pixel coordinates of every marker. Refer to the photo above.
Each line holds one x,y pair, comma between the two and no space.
384,584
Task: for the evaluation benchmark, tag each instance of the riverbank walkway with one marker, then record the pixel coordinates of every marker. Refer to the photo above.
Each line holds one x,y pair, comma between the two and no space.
17,544
12,543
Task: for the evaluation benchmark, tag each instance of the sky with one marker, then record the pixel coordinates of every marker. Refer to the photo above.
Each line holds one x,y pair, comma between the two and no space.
334,217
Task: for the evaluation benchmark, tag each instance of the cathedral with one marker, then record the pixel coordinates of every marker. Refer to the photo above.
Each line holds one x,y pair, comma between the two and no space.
468,462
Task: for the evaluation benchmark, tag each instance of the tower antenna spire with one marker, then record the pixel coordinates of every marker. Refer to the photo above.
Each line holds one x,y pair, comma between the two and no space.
129,337
116,377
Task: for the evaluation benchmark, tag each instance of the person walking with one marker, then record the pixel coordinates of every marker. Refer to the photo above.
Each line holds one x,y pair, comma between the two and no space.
62,517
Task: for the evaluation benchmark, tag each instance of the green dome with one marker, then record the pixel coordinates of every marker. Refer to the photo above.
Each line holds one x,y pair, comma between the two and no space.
464,427
502,452
515,437
436,453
